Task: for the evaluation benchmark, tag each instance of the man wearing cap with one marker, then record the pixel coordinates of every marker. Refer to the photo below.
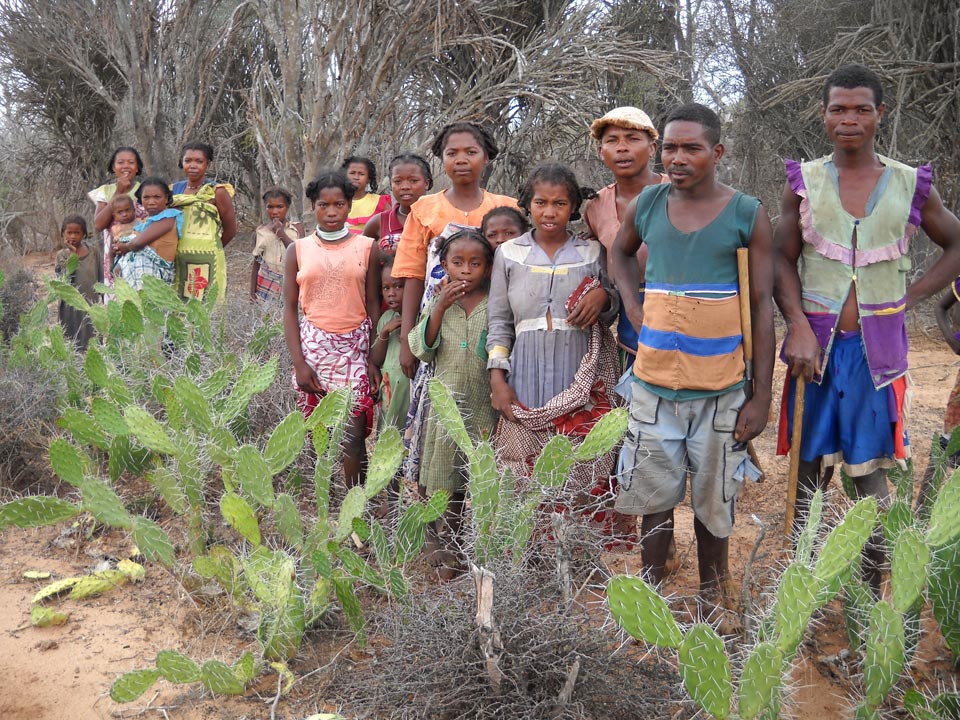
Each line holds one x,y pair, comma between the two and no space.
627,141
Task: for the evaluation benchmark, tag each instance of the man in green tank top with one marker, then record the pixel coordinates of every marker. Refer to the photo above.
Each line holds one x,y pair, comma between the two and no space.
689,409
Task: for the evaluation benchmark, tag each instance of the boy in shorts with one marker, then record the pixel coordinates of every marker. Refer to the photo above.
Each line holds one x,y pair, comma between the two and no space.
850,216
689,412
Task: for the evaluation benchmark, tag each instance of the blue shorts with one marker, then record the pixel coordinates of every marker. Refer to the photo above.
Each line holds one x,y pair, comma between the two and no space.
845,418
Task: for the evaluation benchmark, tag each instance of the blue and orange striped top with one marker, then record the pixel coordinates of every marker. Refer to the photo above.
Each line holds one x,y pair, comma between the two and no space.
690,345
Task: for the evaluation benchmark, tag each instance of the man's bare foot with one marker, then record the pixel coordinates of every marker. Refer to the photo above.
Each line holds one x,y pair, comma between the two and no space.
672,563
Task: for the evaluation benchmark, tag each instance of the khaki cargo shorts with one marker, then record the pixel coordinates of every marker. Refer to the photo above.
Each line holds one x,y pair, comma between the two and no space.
668,440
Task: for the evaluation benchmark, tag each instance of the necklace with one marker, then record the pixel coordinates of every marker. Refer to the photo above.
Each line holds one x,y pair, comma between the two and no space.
332,236
401,212
194,187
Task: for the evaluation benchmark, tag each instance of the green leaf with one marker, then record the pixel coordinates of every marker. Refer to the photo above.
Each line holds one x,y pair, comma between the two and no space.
177,668
104,504
240,516
254,475
351,509
153,541
36,511
220,678
132,685
148,430
286,442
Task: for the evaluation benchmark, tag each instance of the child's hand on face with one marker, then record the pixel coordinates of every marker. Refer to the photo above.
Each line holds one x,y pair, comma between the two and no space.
450,292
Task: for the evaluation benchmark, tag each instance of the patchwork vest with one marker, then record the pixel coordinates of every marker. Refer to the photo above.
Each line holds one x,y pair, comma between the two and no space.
871,253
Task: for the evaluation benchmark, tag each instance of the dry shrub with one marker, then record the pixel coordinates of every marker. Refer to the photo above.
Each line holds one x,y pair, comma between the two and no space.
430,664
18,293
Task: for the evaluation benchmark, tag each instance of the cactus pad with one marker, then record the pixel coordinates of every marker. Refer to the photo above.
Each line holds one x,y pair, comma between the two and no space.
384,462
944,593
239,515
220,679
36,511
285,443
884,657
129,686
104,504
796,601
288,520
909,569
808,535
153,541
554,463
177,668
195,406
148,431
350,509
640,610
846,540
445,409
705,670
254,475
760,679
604,436
945,515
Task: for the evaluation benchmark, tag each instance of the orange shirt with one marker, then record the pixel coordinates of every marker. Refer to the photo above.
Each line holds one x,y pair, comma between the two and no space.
428,217
332,278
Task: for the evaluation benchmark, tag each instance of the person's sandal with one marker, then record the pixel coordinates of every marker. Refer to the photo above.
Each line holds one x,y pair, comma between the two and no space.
719,609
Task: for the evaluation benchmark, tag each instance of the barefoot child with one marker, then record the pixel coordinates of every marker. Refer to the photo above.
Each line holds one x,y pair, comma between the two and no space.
851,215
688,412
553,360
502,224
362,174
273,239
334,277
410,178
89,271
153,250
451,334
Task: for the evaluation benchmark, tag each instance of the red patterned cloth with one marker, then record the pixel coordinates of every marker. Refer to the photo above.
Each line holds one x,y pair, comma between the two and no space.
339,360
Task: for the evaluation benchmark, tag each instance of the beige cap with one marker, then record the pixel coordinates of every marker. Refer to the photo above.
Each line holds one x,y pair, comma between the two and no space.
625,117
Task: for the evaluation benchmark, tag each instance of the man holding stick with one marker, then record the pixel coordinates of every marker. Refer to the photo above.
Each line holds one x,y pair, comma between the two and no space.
688,409
850,216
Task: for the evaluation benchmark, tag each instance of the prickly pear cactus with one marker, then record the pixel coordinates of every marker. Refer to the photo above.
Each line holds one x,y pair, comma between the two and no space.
884,657
808,536
760,680
553,466
857,603
285,443
384,462
705,670
640,610
945,515
845,542
944,593
602,438
796,601
447,412
909,569
36,511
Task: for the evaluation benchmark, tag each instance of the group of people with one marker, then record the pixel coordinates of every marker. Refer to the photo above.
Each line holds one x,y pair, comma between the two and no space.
501,300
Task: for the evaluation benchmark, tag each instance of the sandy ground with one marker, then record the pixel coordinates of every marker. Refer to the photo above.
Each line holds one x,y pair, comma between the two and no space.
66,672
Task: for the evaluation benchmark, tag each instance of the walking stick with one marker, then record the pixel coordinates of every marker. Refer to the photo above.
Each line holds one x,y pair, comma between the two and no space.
795,438
746,330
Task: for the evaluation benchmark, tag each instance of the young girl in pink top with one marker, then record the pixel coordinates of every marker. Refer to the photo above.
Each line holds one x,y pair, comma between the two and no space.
333,276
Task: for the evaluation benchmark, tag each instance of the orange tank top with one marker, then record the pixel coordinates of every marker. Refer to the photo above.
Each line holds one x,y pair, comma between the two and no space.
332,278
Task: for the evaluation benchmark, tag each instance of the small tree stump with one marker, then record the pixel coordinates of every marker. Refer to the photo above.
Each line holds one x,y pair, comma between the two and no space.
491,644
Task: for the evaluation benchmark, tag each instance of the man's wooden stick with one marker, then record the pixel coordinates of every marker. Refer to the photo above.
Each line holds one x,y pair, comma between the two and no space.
746,330
795,438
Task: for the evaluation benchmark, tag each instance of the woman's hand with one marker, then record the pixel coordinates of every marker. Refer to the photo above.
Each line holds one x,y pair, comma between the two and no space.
124,183
306,378
374,378
502,396
588,310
